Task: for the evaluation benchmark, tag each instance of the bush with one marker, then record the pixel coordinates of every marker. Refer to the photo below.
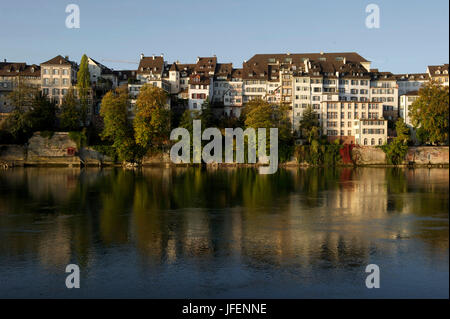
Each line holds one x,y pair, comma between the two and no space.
107,150
395,152
47,134
79,138
319,154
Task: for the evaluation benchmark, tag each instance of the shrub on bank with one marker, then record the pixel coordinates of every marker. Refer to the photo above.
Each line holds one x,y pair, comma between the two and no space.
319,153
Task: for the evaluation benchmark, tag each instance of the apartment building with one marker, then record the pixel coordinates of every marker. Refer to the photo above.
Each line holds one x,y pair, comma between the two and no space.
11,73
300,80
201,82
232,99
58,75
411,82
384,89
100,73
438,73
406,100
354,122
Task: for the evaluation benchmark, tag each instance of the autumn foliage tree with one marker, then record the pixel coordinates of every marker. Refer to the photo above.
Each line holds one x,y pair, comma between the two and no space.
118,129
430,114
152,120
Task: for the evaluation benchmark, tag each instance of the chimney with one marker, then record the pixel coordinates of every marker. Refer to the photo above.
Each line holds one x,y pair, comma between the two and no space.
162,55
345,60
67,57
153,56
142,56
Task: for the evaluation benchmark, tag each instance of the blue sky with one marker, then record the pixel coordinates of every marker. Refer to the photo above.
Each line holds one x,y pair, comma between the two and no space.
412,33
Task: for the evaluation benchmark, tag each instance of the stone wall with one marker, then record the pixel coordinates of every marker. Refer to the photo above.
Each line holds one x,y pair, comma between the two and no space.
423,155
368,155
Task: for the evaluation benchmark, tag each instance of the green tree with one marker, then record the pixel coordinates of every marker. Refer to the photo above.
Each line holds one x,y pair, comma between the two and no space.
207,116
151,123
430,113
261,114
84,86
397,149
309,124
70,115
117,128
42,115
23,95
403,133
258,114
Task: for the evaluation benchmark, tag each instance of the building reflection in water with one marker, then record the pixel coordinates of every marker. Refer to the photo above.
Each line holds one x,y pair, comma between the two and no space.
305,219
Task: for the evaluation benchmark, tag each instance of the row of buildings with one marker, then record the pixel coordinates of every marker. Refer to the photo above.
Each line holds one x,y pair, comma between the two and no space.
352,101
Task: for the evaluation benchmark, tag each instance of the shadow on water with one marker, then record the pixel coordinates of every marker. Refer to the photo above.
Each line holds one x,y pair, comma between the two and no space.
298,225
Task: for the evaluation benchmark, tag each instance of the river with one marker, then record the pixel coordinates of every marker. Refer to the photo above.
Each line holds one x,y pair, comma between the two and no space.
224,233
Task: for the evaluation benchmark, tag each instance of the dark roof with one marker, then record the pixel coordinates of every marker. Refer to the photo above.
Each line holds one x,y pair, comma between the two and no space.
411,77
152,64
437,70
19,68
267,66
236,74
59,60
224,70
186,69
383,76
123,75
205,65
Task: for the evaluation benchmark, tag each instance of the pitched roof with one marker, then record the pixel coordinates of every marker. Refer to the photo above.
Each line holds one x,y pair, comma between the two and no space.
223,70
19,68
267,66
438,70
152,64
59,60
412,77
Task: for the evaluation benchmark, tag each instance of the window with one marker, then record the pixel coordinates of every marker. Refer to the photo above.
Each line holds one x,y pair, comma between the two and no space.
372,141
365,141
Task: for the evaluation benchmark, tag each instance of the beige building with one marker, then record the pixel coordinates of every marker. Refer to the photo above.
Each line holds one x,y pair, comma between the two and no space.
438,73
10,75
354,122
58,75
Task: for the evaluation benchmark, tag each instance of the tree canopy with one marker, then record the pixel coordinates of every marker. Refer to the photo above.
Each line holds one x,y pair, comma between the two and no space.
152,120
430,113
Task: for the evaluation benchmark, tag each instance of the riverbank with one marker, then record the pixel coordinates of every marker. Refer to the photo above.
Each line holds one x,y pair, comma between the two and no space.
60,150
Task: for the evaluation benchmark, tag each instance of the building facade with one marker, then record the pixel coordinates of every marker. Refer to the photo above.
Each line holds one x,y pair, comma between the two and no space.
58,75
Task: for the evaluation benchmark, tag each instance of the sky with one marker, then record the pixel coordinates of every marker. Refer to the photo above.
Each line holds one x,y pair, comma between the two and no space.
412,35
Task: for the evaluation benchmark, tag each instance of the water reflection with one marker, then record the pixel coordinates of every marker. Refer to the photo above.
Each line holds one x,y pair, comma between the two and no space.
299,225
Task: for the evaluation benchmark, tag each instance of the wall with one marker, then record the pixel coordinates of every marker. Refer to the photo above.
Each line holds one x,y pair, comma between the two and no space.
51,151
423,155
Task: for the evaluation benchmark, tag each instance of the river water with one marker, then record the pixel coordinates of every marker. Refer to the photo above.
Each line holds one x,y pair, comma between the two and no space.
224,233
